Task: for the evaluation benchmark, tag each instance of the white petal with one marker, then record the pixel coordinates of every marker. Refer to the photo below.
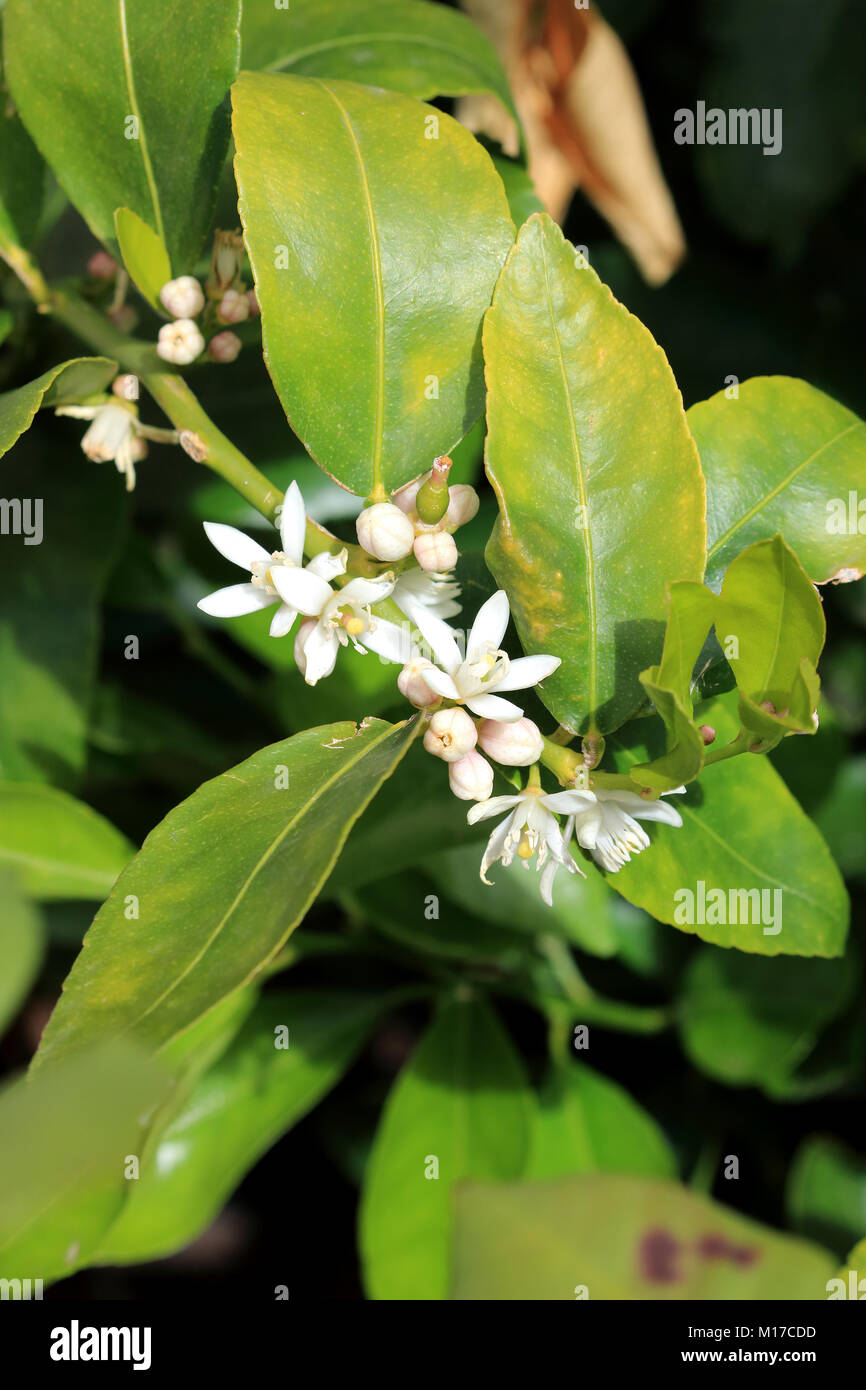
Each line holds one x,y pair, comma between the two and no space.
483,810
301,589
327,566
490,624
527,671
441,683
495,846
234,545
283,620
568,802
367,591
293,525
234,601
388,640
79,412
658,811
438,637
491,707
320,651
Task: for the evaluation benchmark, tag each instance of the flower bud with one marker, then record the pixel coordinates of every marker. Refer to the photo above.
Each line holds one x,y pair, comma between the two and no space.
385,532
182,298
406,497
435,550
471,778
412,684
432,501
234,307
707,733
517,744
226,263
255,307
450,734
126,387
179,342
307,626
463,504
101,266
224,347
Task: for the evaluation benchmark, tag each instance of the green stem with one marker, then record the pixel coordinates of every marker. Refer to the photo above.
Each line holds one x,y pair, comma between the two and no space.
731,750
610,1013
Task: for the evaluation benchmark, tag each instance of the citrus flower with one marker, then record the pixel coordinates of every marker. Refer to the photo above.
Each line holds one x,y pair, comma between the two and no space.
607,825
336,617
116,434
530,830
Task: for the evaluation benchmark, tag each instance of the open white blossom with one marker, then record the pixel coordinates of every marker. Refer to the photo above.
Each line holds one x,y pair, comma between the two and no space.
438,593
116,434
607,825
530,830
259,591
472,680
342,616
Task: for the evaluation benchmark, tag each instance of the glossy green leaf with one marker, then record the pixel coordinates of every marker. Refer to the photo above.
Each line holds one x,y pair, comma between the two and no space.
691,611
751,1022
826,1193
376,228
742,832
769,616
143,253
238,1109
460,1108
424,50
614,1237
82,376
782,457
220,884
586,1123
841,817
22,178
59,846
127,100
600,491
65,1138
21,943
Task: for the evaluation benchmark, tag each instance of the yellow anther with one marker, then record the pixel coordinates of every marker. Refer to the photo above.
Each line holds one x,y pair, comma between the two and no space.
524,849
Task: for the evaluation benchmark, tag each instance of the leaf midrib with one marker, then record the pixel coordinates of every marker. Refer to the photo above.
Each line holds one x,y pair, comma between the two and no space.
135,111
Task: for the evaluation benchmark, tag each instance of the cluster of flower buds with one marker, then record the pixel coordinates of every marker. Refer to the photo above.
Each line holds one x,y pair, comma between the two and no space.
181,342
420,520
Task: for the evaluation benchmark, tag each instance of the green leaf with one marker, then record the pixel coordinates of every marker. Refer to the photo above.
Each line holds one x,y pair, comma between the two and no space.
65,1136
460,1108
586,1123
255,1093
615,1237
82,376
220,884
749,1021
581,403
127,100
691,610
375,251
21,944
782,457
22,178
421,49
144,254
742,831
59,846
770,616
826,1193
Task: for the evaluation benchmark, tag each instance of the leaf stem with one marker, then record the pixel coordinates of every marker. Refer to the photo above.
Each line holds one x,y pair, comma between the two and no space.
731,750
610,1013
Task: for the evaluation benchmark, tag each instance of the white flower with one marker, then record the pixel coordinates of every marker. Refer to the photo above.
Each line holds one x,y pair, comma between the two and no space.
436,592
471,777
608,824
182,298
385,532
450,734
486,668
259,591
517,744
180,342
343,616
529,830
435,550
116,434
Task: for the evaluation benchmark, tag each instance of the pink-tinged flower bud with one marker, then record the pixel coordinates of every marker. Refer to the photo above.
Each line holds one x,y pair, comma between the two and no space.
436,551
412,684
234,307
407,496
224,347
707,733
385,532
180,342
463,504
471,778
255,307
307,626
517,744
101,266
126,387
123,317
450,734
182,298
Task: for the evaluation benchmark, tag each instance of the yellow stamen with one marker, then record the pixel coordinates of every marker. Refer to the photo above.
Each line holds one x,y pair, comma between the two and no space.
524,849
354,626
